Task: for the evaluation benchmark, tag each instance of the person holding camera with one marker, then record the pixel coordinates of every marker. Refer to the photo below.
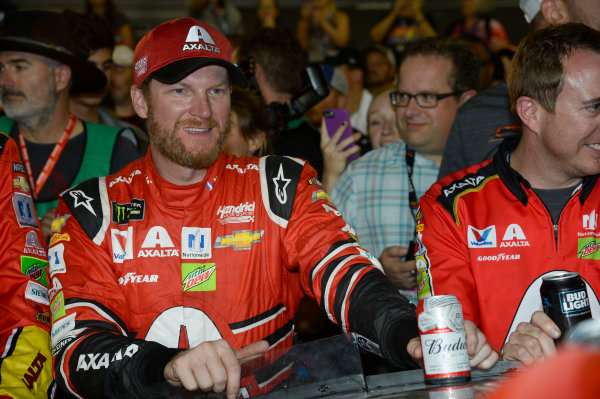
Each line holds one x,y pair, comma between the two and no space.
278,66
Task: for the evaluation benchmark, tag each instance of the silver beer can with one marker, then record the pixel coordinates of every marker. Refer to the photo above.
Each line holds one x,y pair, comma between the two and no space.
442,331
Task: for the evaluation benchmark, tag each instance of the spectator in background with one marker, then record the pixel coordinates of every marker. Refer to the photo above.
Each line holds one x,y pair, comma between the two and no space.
352,63
279,66
95,43
476,21
486,120
248,133
222,14
322,28
377,193
380,64
382,125
119,85
118,22
37,69
267,14
405,23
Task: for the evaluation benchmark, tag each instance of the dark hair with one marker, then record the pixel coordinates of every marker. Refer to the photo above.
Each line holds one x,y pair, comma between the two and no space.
91,33
537,67
252,115
280,56
464,74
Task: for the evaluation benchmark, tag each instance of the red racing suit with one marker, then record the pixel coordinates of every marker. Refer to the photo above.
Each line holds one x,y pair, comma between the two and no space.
25,366
487,238
142,267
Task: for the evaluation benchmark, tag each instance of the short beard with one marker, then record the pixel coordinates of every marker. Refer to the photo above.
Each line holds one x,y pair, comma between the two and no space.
172,147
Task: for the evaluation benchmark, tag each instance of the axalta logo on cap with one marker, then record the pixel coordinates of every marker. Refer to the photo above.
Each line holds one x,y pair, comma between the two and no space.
197,33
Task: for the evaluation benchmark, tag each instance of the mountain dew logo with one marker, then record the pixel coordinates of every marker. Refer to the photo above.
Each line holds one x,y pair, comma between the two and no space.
588,248
35,269
198,277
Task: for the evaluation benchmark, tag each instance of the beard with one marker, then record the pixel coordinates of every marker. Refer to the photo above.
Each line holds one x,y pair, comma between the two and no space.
173,147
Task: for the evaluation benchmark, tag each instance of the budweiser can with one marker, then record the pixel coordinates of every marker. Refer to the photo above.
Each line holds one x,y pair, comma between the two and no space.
565,300
442,331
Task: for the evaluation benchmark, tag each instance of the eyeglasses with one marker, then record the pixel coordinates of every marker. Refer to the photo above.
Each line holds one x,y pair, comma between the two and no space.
424,100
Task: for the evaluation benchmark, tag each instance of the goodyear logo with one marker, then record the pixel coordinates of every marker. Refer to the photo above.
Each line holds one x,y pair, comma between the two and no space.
198,277
588,248
123,213
240,240
21,184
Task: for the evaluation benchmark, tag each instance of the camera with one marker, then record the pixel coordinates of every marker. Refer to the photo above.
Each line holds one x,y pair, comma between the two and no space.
282,113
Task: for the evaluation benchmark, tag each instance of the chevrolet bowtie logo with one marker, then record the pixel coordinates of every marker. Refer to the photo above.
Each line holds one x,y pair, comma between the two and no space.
21,183
240,240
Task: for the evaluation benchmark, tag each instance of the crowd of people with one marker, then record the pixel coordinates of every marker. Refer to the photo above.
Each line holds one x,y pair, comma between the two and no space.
176,205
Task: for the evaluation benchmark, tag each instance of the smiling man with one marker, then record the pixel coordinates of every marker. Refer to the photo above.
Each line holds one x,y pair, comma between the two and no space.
178,268
491,232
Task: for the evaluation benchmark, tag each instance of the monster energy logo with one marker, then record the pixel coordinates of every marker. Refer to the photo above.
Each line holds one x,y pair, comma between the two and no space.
123,213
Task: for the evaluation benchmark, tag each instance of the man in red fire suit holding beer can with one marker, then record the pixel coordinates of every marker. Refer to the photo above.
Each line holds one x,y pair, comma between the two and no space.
491,233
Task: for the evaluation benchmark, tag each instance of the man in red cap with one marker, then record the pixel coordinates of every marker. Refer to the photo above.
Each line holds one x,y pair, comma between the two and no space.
189,261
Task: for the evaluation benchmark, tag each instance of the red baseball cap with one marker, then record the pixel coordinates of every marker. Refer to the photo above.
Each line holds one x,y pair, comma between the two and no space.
176,48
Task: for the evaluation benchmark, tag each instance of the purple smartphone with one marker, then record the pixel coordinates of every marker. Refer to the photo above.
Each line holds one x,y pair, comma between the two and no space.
333,119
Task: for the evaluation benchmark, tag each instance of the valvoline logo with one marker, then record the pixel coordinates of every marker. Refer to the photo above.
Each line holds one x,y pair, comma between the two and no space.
484,238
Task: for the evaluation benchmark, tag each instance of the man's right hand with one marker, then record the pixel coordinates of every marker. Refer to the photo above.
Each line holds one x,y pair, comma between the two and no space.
532,341
397,270
212,365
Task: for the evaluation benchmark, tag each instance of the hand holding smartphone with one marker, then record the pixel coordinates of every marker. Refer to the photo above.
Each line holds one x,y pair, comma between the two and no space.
333,120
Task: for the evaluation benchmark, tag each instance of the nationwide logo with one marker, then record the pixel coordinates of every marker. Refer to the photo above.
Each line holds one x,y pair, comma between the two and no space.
56,260
33,246
590,222
240,240
125,179
195,243
197,33
244,212
238,169
469,181
123,213
134,278
198,277
485,238
21,184
24,210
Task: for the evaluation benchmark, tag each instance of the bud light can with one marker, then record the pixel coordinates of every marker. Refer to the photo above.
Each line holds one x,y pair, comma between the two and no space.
442,331
565,300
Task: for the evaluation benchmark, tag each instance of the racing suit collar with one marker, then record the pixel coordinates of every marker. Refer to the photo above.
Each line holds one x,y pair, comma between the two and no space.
181,197
517,184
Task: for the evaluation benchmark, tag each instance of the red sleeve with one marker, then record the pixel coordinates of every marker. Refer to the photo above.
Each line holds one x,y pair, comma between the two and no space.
443,260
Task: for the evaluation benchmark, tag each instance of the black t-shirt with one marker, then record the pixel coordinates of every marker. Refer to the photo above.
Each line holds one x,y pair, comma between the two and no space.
66,169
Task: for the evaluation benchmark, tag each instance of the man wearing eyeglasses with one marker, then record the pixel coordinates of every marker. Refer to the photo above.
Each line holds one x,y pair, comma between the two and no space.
377,193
